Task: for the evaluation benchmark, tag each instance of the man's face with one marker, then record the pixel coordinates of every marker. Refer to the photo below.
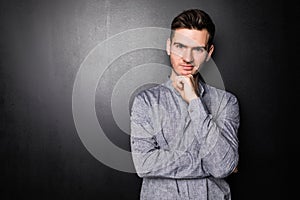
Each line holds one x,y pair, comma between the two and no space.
188,50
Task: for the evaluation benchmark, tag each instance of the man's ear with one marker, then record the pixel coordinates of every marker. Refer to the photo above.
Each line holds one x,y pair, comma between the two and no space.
210,51
168,46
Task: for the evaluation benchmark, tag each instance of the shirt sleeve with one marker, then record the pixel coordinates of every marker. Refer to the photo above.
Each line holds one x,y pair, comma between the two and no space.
152,161
217,134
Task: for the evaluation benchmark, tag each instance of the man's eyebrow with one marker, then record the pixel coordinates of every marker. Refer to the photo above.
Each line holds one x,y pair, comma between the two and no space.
180,44
195,47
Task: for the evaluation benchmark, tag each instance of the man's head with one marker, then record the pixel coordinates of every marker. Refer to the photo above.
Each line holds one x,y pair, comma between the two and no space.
191,41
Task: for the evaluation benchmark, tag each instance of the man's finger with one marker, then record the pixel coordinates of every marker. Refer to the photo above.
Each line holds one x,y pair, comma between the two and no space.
179,82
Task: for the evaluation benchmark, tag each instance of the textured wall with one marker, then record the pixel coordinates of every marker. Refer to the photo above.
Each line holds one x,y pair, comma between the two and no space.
42,45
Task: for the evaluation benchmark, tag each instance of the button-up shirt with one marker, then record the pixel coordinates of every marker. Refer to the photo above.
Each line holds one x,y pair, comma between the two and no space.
184,150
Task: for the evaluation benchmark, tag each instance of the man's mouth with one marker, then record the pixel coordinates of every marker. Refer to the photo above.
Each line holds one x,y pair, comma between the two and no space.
187,67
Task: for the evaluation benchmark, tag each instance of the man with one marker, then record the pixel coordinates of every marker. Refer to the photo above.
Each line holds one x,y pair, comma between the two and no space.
184,132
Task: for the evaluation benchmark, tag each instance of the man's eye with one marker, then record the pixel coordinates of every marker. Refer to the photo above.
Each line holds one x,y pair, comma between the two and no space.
179,46
199,49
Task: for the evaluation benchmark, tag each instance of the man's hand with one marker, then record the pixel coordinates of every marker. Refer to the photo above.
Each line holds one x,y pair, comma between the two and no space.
235,170
184,85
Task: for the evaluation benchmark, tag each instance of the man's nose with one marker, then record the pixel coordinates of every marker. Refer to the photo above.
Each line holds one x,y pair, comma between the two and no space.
187,56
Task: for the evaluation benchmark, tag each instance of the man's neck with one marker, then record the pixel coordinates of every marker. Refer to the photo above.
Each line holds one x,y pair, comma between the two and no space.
173,75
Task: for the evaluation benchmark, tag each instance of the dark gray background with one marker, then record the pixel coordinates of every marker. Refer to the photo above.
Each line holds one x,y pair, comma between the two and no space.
42,45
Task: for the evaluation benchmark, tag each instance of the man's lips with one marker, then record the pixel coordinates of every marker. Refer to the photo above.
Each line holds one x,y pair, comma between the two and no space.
187,67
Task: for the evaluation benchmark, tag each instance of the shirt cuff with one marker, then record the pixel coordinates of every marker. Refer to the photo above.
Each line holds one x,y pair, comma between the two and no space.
196,109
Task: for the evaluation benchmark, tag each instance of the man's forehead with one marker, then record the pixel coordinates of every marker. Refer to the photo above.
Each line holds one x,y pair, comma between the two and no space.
191,37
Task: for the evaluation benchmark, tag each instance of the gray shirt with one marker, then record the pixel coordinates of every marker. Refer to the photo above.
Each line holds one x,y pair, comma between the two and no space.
184,151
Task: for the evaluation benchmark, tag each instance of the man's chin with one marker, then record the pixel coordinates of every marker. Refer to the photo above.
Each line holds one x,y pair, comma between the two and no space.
183,72
186,73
